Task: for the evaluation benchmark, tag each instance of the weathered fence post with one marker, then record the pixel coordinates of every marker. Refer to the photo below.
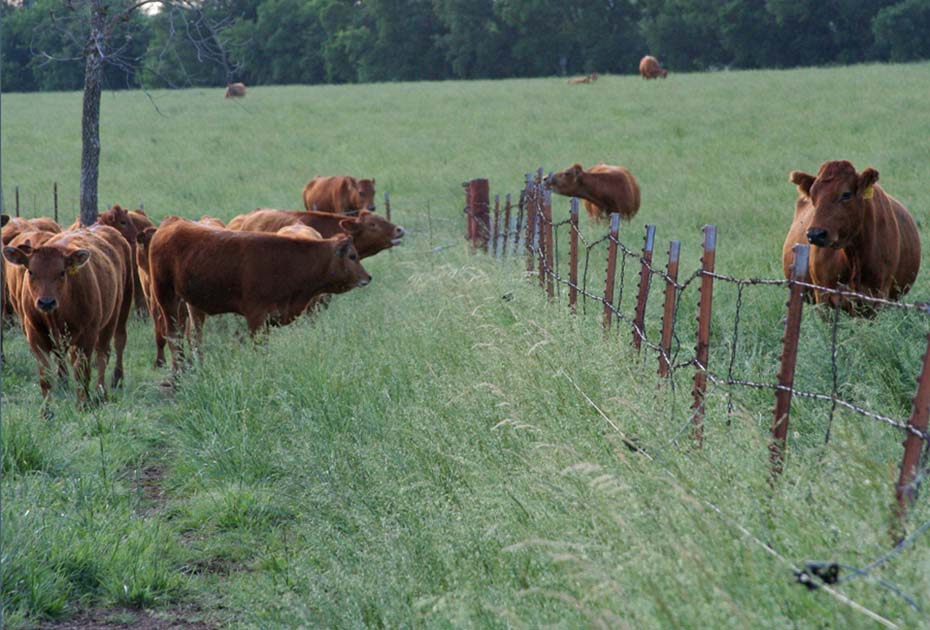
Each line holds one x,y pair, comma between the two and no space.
518,228
506,225
645,278
611,270
550,245
55,199
668,311
541,226
479,193
573,257
17,200
469,219
387,206
703,333
789,358
496,228
906,488
529,203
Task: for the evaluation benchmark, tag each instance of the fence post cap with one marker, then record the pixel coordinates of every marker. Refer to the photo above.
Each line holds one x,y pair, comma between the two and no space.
650,236
710,236
614,222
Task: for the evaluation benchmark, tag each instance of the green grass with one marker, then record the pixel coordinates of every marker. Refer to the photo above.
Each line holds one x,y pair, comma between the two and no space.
420,454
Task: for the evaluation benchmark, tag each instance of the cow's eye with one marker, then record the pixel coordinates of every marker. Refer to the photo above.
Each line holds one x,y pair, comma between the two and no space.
353,257
846,196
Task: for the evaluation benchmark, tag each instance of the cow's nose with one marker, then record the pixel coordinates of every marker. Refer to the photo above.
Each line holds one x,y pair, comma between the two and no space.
372,208
399,231
364,282
817,236
46,304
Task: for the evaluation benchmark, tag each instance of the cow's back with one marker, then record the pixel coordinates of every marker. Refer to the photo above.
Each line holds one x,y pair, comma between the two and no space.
329,194
614,189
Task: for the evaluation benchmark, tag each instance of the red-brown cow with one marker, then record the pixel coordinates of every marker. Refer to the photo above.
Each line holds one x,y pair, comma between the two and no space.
370,232
649,68
605,189
235,90
77,294
339,194
861,237
591,78
251,274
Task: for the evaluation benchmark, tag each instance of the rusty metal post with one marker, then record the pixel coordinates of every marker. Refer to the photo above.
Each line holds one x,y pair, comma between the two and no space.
529,203
611,270
479,192
496,227
668,312
906,488
17,200
507,208
573,257
55,199
645,279
789,358
702,350
387,206
550,244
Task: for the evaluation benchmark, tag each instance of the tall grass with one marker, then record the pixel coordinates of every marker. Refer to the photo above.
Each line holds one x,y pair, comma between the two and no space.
443,448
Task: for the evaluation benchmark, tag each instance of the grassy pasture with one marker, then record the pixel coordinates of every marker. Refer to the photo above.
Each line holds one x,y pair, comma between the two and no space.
420,454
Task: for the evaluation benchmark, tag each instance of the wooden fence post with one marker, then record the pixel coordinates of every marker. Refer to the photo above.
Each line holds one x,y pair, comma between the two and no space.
506,238
55,199
551,262
387,206
789,358
703,333
668,312
479,192
529,203
469,219
17,200
518,228
496,227
573,257
541,226
906,488
645,279
611,270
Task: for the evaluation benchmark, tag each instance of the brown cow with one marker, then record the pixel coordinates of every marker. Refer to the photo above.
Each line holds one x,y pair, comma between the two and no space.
604,189
649,68
861,237
77,292
211,222
340,194
12,227
235,90
300,230
254,275
591,78
371,232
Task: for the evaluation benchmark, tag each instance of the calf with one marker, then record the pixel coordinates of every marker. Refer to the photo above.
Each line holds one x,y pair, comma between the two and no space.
605,189
251,274
339,194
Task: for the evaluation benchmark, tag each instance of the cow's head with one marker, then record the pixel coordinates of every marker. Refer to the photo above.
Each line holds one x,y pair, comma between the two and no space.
366,195
372,233
566,182
346,271
119,219
47,271
840,197
4,219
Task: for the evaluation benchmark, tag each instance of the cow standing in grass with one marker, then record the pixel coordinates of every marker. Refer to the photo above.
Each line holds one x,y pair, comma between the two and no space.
604,189
235,90
649,68
861,237
341,194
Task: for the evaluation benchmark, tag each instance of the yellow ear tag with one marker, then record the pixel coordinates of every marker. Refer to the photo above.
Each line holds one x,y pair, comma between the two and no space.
73,270
868,193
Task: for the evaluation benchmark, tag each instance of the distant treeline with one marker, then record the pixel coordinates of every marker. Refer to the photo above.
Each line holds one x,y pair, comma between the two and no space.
347,41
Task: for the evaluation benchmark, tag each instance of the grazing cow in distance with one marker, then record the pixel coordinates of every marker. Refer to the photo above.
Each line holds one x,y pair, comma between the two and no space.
649,68
252,274
861,237
340,194
235,90
76,292
370,232
591,78
605,189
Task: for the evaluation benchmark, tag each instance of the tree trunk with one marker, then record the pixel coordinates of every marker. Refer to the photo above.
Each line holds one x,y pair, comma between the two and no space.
90,121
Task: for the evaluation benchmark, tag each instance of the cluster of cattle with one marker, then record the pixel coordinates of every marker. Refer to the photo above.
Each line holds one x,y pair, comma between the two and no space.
861,237
649,68
72,290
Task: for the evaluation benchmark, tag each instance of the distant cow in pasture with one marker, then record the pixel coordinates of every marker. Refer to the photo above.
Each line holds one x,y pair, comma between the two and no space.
251,274
605,189
591,78
861,237
235,90
370,232
649,68
340,194
74,294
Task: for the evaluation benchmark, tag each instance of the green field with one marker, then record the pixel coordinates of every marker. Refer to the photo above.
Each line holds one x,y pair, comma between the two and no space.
426,453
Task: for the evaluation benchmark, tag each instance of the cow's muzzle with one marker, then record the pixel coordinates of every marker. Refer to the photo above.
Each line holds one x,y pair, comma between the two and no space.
364,282
818,237
46,305
398,235
372,208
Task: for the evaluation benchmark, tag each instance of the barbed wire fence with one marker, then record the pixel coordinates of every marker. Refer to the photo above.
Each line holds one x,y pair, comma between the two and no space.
529,229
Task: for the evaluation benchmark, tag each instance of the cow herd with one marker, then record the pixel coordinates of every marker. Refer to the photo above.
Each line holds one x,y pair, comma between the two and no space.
73,290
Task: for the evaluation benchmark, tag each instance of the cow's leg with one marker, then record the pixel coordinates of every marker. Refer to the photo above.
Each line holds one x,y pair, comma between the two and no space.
80,361
197,319
257,322
119,343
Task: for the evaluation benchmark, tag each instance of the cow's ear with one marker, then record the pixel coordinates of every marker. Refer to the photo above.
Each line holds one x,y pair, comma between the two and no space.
373,180
77,259
865,182
4,219
803,181
349,226
16,256
344,246
145,236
